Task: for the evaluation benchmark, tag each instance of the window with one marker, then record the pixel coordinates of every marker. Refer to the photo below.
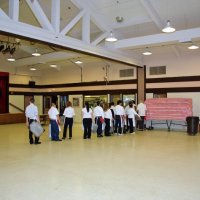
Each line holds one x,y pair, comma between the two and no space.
157,70
126,73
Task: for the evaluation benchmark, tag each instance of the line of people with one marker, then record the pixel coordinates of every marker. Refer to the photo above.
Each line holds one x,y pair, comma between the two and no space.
105,118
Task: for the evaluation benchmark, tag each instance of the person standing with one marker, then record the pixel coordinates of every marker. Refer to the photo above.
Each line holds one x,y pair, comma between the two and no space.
112,107
108,119
87,121
131,117
119,117
141,109
99,118
68,121
54,121
31,114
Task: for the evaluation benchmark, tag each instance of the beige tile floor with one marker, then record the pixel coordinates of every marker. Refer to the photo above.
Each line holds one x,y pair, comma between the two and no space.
151,165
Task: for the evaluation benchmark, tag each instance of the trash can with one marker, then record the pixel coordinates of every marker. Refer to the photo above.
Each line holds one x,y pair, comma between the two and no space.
192,125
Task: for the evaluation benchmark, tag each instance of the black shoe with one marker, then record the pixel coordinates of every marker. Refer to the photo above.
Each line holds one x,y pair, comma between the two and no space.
58,140
70,138
31,142
37,142
63,138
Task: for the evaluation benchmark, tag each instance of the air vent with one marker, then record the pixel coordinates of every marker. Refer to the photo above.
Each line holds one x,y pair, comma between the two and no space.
126,73
157,70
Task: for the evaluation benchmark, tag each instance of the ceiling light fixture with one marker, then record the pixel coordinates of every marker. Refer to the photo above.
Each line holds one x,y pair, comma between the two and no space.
111,37
33,69
147,52
36,53
78,62
168,28
53,65
193,47
11,58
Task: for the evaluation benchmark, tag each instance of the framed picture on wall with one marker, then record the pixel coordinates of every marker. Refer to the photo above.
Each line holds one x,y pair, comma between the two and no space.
76,102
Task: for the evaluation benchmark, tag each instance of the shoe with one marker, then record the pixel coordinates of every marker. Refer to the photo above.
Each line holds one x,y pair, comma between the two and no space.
63,138
70,138
58,140
133,133
37,142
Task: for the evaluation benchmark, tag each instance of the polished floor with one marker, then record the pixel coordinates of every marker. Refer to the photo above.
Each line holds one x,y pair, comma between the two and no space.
150,165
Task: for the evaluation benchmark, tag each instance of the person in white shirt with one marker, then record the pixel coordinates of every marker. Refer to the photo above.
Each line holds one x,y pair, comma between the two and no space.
99,118
112,108
31,114
119,117
68,121
108,119
141,109
126,117
54,121
87,120
131,113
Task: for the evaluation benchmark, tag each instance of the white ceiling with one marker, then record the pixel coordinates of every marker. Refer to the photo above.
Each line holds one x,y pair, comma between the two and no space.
141,28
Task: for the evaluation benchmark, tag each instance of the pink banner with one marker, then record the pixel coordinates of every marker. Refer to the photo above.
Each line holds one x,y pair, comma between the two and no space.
168,108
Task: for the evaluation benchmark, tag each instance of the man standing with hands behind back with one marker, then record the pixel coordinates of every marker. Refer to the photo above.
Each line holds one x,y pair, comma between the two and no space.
31,116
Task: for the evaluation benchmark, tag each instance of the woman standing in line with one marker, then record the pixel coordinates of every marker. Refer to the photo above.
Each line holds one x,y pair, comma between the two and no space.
54,120
87,121
108,119
68,113
131,117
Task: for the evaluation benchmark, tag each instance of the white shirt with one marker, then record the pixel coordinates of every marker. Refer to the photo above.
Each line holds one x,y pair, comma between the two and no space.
119,110
108,114
53,112
131,113
126,109
87,114
98,111
141,108
69,112
32,111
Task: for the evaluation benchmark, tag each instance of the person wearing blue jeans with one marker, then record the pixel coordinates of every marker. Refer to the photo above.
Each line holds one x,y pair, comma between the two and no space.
54,121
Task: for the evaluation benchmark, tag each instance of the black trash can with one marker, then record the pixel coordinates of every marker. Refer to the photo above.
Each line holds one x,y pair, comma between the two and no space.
192,125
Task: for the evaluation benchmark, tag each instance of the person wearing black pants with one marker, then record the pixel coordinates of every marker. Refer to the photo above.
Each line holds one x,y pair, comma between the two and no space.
87,121
142,109
99,118
68,113
119,117
108,119
87,124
